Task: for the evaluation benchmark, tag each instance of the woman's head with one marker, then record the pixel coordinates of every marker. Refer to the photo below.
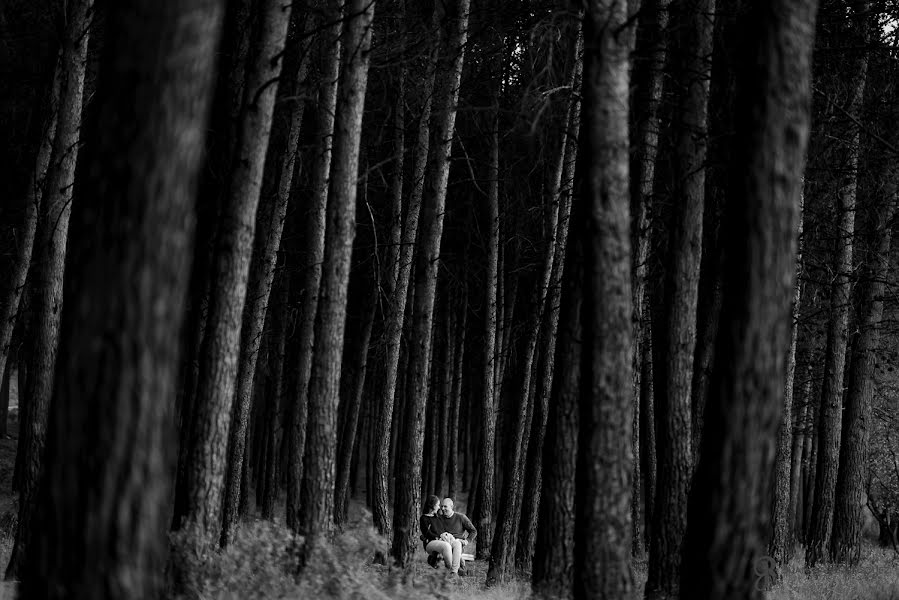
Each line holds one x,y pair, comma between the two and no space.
431,504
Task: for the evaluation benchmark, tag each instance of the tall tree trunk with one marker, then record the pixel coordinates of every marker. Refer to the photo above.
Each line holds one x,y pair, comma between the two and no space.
780,547
800,425
674,324
646,78
605,465
33,197
47,277
110,445
853,468
460,333
348,439
534,483
729,500
278,172
407,503
507,535
329,40
317,491
390,392
552,575
274,388
483,516
220,143
207,464
831,409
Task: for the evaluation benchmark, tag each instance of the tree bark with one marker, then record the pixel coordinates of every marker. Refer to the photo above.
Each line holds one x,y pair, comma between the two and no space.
780,547
853,467
100,530
831,407
674,324
800,426
330,48
207,464
33,197
317,490
729,500
406,505
48,273
603,531
280,160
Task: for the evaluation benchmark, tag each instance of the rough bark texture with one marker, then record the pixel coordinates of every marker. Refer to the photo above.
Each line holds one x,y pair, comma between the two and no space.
603,532
534,481
781,546
552,575
646,80
674,324
389,392
329,38
485,508
207,463
317,491
845,545
794,511
33,196
279,166
729,499
47,276
406,507
109,453
831,408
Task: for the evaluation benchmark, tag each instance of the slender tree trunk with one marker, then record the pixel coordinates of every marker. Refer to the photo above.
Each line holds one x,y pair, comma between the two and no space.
47,277
853,468
278,172
406,506
729,500
483,517
317,491
674,325
504,544
811,453
330,48
800,427
780,547
650,45
274,388
33,197
220,143
208,460
603,529
461,335
831,409
552,575
348,439
109,452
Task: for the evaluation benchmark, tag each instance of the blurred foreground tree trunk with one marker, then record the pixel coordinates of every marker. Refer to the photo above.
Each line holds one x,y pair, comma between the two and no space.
729,500
100,530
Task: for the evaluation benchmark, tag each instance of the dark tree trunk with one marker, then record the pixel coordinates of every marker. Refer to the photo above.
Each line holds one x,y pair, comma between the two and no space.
729,500
831,408
274,391
109,453
781,546
603,531
853,468
330,48
407,504
317,490
278,172
208,460
47,277
674,321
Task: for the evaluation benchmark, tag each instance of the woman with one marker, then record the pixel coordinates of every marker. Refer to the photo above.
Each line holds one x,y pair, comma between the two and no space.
430,534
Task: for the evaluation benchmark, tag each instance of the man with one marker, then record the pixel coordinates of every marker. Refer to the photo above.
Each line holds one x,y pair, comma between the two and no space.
458,530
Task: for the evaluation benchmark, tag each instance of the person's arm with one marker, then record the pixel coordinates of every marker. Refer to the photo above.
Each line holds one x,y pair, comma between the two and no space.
469,527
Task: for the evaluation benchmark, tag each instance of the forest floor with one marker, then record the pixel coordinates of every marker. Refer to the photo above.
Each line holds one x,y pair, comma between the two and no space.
259,564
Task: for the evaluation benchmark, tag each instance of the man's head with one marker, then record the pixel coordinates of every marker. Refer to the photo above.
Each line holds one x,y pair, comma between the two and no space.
446,507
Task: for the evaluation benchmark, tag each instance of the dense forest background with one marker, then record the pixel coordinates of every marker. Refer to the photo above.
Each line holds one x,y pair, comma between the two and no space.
618,277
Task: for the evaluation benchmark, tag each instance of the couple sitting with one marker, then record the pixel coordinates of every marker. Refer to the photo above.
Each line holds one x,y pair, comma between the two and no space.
445,532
